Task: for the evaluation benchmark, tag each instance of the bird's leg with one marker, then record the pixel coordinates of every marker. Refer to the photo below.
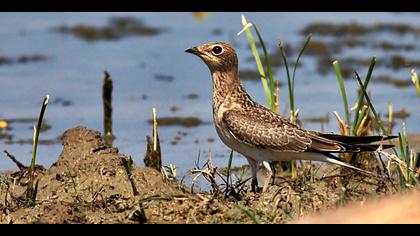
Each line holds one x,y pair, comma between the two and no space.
254,167
268,177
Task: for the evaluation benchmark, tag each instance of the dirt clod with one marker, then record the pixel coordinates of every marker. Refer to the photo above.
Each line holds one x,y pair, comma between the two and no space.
90,183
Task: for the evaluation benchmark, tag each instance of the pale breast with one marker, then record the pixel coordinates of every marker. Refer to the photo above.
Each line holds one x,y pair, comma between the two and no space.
227,138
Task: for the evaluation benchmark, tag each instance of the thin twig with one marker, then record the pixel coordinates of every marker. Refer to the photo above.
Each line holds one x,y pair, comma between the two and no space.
163,197
19,164
387,172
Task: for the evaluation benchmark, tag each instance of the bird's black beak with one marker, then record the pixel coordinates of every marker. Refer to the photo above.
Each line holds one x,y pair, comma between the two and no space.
193,50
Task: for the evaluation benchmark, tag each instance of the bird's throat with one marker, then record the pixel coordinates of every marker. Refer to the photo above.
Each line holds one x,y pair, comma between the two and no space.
227,89
224,83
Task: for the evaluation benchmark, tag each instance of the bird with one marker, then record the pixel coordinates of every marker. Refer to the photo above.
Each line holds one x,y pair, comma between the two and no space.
260,134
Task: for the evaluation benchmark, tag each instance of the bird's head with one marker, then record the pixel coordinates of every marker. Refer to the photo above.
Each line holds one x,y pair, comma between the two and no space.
219,56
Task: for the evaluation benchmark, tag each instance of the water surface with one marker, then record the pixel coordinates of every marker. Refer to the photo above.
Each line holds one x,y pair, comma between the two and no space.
74,72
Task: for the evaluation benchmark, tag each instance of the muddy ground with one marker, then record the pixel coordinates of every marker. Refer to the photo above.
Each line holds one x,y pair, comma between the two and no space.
90,184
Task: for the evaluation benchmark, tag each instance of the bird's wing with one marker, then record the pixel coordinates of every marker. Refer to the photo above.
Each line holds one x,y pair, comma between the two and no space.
265,129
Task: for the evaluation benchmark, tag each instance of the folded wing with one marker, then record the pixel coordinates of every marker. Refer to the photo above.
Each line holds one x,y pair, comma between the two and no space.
265,129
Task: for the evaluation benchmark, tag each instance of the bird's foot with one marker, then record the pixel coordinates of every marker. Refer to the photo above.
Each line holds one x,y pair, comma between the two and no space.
257,190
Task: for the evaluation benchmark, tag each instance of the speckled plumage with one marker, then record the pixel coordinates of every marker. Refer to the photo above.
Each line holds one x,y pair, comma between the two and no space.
258,133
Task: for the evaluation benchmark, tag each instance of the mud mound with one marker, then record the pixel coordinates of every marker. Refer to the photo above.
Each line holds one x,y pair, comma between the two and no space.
88,182
87,166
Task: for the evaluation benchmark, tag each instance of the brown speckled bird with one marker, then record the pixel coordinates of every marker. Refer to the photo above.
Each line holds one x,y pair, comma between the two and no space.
260,134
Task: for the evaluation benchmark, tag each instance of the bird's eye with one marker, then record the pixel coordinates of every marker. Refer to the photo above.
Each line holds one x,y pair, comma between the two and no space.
217,50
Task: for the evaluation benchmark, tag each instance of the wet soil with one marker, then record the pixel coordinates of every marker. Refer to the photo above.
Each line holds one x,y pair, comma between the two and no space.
181,121
400,114
321,119
23,59
254,75
30,141
351,35
349,65
399,83
276,57
62,102
6,129
356,29
164,78
90,184
117,28
192,96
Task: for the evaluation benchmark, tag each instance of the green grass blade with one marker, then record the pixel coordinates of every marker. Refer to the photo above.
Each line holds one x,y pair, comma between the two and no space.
359,120
403,155
257,60
415,79
340,79
228,169
289,79
407,162
308,38
377,118
414,165
290,84
197,162
403,146
416,159
269,67
38,127
365,85
400,177
127,163
254,217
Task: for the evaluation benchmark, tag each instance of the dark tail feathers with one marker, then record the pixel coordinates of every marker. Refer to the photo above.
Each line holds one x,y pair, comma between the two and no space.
372,147
355,140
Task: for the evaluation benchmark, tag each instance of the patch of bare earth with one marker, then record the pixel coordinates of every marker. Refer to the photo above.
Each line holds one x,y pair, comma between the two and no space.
90,184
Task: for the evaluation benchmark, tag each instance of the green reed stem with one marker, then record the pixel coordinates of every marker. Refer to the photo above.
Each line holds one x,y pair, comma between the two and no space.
258,61
37,129
307,40
367,79
340,79
269,68
289,79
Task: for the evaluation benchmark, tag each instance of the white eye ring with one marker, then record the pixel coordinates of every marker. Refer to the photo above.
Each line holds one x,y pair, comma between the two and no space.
217,50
